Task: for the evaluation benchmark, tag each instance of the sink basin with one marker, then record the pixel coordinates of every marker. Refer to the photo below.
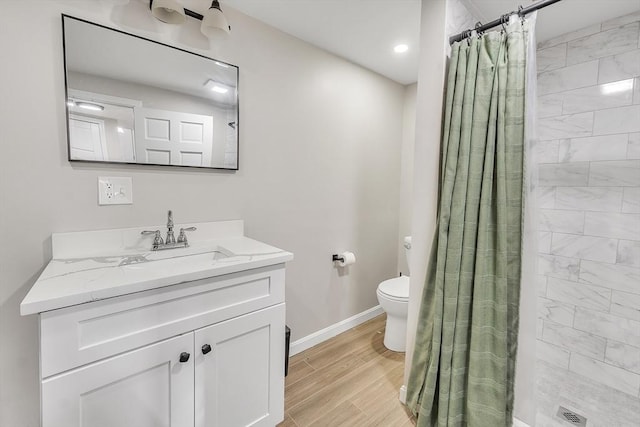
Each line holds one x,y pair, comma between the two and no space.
190,255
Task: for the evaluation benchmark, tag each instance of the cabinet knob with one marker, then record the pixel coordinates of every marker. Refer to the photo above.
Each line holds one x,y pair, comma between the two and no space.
184,357
206,349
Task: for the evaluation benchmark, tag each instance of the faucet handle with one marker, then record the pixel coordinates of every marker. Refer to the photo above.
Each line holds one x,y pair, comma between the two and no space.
182,237
157,240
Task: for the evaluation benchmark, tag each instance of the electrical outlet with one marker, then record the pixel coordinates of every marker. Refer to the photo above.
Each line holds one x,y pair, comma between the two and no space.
115,190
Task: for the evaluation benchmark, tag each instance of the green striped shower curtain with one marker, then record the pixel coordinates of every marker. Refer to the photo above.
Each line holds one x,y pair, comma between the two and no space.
464,360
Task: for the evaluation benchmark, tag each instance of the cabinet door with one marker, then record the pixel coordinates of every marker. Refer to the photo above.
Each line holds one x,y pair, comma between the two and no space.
148,387
240,381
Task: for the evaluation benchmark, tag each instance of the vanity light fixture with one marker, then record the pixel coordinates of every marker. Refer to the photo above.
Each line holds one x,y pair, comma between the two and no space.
169,11
214,23
401,48
90,106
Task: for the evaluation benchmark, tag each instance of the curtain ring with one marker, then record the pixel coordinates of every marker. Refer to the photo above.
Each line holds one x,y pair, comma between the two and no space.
478,32
520,14
504,19
467,36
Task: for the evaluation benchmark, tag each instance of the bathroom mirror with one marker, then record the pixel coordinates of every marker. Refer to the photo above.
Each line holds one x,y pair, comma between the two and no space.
134,100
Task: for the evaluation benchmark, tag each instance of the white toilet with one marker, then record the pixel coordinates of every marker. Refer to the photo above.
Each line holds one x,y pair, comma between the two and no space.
393,296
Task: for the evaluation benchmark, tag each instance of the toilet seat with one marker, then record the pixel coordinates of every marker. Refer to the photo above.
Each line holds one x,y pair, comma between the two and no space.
396,289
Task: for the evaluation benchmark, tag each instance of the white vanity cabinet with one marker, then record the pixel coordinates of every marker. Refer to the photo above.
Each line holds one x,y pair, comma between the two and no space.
240,382
203,353
144,387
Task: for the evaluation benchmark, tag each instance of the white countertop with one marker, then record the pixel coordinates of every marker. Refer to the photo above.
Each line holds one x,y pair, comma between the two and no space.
90,266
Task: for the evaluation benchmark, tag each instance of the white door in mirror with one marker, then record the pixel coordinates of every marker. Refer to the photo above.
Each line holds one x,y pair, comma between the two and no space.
173,138
115,190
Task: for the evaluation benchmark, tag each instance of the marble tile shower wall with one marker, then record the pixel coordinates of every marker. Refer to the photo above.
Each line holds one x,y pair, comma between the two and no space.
589,203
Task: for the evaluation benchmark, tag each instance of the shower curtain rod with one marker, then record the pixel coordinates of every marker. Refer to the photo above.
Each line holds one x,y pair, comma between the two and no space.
502,20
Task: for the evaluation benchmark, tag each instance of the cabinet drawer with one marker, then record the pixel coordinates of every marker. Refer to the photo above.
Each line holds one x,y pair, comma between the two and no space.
74,336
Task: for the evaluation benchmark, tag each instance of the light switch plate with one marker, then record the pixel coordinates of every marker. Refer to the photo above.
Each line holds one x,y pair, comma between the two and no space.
115,190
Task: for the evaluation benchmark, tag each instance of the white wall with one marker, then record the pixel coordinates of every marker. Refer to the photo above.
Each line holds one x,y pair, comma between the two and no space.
319,165
406,173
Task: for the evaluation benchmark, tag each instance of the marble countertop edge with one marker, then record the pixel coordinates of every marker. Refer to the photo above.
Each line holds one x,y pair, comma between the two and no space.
47,294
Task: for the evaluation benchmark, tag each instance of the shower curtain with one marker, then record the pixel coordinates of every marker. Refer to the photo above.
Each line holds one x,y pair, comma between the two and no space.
463,365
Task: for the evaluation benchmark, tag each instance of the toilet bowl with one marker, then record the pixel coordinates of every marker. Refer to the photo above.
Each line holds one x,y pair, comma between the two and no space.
393,296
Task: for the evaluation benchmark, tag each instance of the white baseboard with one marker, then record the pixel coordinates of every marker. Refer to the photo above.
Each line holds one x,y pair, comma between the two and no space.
331,331
403,395
518,423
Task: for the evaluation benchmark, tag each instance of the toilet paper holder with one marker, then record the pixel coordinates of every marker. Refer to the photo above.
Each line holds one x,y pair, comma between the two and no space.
344,259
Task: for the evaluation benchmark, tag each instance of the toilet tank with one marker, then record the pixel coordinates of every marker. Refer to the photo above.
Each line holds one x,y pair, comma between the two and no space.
407,251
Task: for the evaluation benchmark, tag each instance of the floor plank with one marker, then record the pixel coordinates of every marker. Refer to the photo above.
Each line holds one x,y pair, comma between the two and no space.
288,422
350,380
347,342
297,371
319,380
346,414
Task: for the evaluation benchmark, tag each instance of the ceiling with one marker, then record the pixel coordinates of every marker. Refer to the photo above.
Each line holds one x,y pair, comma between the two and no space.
365,31
362,31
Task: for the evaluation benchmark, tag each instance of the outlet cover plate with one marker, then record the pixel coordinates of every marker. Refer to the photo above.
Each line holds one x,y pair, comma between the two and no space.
115,190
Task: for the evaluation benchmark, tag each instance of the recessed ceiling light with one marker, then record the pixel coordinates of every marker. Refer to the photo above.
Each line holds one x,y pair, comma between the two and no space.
401,48
216,87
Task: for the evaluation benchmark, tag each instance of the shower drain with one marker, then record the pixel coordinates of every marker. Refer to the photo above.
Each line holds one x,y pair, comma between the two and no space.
572,417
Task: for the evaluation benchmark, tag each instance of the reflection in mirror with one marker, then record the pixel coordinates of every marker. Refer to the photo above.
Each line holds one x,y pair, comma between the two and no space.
132,100
100,128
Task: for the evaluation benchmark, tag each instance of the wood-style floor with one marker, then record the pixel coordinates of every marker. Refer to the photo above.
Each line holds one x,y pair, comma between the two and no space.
350,380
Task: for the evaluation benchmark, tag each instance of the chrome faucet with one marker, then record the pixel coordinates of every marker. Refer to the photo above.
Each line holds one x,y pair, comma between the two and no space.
170,242
170,239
